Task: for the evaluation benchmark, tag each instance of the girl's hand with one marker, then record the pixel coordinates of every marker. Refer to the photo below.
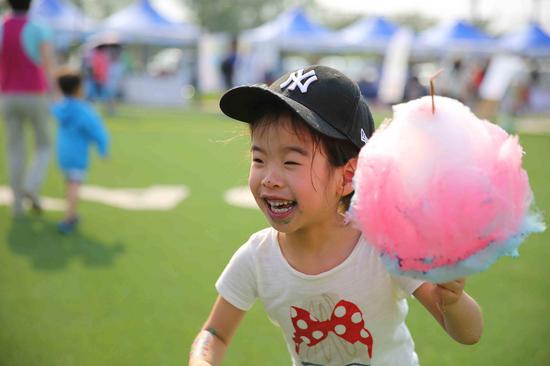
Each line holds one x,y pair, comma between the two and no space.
453,308
449,293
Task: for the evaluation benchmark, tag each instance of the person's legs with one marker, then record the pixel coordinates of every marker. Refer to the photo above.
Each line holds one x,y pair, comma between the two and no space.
72,200
16,153
74,179
96,92
38,111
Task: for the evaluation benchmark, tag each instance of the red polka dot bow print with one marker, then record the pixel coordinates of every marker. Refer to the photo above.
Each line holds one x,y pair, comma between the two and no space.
346,321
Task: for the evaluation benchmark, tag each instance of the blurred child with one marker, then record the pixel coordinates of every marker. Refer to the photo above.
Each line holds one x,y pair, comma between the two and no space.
314,272
79,126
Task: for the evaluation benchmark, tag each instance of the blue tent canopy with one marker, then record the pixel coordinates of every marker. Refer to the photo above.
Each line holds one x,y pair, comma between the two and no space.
455,36
370,33
142,23
531,40
60,15
291,31
68,23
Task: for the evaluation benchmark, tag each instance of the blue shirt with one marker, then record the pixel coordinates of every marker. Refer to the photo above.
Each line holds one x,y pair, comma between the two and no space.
79,126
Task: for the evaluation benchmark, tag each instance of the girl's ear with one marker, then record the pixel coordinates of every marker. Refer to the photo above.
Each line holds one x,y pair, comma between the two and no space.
348,173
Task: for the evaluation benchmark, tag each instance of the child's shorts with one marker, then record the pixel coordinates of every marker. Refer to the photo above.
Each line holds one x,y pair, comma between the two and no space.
74,175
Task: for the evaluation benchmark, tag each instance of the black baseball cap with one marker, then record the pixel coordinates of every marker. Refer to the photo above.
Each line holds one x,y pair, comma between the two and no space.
323,97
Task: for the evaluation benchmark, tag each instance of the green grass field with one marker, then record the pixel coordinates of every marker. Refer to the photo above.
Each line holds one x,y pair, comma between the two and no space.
133,288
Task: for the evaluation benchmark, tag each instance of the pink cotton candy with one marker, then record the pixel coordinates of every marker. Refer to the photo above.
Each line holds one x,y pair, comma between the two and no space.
432,190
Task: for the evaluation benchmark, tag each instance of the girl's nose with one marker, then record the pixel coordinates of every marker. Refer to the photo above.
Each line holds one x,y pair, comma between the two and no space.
269,182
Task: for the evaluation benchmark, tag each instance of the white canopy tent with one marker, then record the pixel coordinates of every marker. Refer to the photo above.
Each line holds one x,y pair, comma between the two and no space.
531,40
142,23
145,29
292,31
454,37
369,34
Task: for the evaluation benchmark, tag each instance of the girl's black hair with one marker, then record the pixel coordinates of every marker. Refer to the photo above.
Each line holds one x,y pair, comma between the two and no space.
338,151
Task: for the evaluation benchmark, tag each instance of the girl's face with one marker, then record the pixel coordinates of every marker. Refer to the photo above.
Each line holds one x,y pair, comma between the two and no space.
291,180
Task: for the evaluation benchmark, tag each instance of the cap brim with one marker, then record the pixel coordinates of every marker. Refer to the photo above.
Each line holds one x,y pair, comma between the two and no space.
244,103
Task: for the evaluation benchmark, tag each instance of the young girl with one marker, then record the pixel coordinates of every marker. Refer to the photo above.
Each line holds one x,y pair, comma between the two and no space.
313,271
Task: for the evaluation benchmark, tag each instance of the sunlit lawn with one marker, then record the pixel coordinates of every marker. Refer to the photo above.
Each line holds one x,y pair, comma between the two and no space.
132,288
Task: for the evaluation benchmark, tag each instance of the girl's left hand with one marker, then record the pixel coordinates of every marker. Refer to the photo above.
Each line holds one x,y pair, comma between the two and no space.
450,292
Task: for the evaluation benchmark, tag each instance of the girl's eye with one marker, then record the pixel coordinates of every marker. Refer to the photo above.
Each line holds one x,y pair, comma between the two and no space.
291,163
256,160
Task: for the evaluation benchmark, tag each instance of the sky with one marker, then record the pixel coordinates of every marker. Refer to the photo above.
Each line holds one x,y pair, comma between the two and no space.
504,15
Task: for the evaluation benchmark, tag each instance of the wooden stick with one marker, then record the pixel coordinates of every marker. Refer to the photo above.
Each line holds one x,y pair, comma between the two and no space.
432,89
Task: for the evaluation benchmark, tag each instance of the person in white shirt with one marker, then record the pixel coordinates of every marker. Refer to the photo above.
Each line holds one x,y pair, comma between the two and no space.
315,274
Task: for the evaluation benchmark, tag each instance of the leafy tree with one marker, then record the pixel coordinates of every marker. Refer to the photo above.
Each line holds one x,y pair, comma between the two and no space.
100,9
415,21
233,16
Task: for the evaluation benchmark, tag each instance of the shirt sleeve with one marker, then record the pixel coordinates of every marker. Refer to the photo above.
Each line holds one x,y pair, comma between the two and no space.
237,283
96,131
406,285
34,35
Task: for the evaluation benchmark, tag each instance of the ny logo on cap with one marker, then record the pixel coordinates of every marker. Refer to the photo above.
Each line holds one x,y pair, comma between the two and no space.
364,137
295,80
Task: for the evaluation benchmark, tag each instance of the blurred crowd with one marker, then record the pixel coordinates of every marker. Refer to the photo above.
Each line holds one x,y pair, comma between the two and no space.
113,70
103,72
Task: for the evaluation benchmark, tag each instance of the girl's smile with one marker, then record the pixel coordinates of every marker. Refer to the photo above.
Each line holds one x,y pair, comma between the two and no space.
291,178
280,209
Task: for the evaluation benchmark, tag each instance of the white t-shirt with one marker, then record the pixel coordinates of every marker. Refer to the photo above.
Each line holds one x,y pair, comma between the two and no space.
351,315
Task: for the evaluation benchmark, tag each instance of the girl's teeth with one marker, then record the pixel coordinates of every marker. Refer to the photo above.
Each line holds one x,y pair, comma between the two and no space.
281,206
281,209
279,203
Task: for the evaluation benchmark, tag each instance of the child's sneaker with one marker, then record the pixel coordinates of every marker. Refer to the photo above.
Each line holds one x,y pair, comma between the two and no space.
68,226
